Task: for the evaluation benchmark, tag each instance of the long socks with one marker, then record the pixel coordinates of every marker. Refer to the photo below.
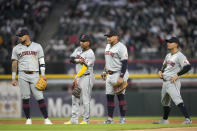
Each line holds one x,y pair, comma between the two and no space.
26,108
43,108
110,105
122,105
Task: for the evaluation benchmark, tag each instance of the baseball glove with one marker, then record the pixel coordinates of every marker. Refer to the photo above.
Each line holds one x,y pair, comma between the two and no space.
118,88
76,90
41,84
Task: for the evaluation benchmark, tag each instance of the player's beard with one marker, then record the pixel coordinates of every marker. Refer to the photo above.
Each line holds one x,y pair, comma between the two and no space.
85,48
23,42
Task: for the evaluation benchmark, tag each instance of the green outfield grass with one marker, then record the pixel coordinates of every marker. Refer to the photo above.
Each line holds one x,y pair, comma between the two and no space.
103,127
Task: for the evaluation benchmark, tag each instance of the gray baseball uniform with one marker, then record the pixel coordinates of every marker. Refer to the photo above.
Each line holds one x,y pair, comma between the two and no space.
85,82
27,57
113,57
170,90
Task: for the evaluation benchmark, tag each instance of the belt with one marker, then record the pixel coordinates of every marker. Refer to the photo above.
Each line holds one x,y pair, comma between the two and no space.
111,72
29,72
87,74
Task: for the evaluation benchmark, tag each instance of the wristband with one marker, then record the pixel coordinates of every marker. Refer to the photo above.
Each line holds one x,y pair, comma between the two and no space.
13,75
104,72
42,71
77,60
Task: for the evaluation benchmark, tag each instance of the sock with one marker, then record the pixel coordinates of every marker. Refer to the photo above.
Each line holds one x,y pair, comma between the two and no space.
26,108
166,112
183,110
110,105
43,108
122,105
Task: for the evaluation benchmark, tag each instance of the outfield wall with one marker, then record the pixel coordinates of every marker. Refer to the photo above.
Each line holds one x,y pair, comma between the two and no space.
10,101
150,66
140,103
146,103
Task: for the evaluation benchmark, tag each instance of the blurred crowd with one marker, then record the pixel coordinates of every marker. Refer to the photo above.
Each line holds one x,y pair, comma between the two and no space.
16,14
143,26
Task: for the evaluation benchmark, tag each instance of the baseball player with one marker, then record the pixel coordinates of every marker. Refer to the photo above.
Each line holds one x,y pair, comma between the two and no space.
27,56
84,58
174,65
116,59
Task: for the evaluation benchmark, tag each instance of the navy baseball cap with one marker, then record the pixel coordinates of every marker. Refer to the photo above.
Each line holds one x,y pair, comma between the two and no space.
173,40
22,33
111,33
84,38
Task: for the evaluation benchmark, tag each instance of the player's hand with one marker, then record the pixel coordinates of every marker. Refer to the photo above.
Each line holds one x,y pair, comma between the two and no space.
174,78
81,60
120,80
160,74
103,76
14,82
76,80
44,78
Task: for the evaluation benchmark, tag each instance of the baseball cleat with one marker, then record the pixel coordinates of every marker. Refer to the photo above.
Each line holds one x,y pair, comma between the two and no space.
69,122
162,121
108,122
122,121
84,122
47,122
28,121
187,121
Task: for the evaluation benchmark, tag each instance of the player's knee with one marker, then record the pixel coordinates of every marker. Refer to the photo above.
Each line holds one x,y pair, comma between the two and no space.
86,103
39,97
178,102
25,96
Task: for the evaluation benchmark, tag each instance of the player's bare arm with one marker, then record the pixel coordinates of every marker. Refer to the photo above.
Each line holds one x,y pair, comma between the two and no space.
181,72
160,73
14,70
174,78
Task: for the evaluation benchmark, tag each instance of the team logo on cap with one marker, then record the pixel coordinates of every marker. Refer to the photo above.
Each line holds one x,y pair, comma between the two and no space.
82,36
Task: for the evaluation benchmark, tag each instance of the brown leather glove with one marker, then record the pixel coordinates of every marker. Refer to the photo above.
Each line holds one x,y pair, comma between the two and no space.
118,88
76,90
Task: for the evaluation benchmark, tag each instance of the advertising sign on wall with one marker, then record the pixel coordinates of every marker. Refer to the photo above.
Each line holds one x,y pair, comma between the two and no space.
10,101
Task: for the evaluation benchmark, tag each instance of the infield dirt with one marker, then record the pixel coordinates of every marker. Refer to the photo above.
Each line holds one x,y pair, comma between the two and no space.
91,121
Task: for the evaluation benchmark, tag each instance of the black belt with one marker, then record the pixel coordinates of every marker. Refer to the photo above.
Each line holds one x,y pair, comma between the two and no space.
87,74
111,72
29,72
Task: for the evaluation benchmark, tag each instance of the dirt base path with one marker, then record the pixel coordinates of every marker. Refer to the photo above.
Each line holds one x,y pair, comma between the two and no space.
91,121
